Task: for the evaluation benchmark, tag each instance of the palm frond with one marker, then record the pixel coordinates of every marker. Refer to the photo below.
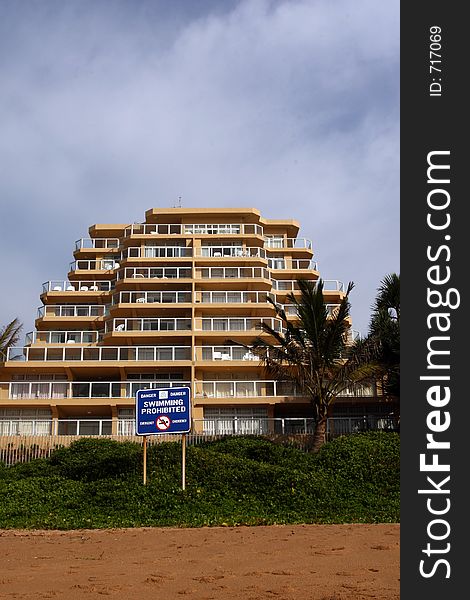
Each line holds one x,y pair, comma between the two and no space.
9,336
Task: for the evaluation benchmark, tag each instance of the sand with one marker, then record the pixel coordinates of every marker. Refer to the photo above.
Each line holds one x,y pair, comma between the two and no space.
300,562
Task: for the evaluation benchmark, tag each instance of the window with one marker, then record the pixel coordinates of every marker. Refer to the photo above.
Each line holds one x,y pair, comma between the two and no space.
235,420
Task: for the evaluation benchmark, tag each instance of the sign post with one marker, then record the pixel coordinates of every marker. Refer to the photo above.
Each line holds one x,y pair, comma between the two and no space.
163,411
183,461
145,460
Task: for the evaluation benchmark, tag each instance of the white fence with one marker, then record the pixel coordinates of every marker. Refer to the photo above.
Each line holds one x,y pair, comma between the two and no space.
21,445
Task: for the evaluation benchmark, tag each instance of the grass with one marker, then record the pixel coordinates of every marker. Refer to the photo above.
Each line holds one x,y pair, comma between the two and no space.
237,481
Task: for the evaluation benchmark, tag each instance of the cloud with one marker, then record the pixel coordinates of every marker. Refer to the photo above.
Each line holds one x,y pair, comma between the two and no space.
110,108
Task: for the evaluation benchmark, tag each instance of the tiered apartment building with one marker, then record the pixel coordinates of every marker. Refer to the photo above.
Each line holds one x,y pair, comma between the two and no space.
154,304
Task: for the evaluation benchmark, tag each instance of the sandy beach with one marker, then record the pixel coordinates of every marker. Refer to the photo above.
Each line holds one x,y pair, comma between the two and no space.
289,562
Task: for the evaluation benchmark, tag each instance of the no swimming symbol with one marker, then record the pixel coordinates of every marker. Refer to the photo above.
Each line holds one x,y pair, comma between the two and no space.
163,422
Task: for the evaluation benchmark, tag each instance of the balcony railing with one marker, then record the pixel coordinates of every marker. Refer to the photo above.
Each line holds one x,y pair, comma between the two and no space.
229,252
163,297
354,335
100,353
289,285
72,310
155,273
151,229
63,337
291,309
94,265
76,286
245,389
236,324
203,353
210,426
292,264
55,390
233,297
363,390
257,425
236,229
165,229
98,243
158,252
276,242
148,324
232,273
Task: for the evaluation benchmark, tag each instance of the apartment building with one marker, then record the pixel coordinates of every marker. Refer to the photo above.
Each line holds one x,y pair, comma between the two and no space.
154,304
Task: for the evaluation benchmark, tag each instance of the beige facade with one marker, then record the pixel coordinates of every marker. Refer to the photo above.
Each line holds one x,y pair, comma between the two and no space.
159,304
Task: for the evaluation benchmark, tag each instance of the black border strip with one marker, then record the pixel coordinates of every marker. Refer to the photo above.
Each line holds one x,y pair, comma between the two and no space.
433,124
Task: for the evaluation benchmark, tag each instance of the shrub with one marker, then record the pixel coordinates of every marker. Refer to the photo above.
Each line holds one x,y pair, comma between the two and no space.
261,450
91,459
98,483
372,457
39,467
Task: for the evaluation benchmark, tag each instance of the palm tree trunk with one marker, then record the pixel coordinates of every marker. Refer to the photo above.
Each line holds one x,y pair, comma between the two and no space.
319,437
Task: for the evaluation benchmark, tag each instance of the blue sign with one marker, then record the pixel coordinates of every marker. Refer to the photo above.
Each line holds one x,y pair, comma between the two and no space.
165,410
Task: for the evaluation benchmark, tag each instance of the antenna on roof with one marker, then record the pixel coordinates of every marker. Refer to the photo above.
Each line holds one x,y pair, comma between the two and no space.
177,204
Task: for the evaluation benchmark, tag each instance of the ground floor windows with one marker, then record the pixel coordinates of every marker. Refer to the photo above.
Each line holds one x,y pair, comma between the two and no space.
32,421
235,420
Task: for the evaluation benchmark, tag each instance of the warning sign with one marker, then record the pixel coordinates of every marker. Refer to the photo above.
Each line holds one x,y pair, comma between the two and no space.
165,410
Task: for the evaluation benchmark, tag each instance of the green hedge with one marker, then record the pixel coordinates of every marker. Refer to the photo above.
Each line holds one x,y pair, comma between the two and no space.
98,483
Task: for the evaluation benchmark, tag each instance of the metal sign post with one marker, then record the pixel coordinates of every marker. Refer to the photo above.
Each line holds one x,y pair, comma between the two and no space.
163,411
145,460
183,461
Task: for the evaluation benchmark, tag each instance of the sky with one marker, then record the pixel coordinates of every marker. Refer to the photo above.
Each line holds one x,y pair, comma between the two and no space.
111,107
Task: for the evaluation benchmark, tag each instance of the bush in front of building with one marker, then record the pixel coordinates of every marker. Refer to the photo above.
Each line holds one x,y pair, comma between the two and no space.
89,459
372,458
237,481
261,449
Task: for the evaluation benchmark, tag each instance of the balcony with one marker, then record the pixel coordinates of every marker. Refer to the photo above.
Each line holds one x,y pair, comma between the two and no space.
361,391
147,324
233,297
232,273
63,337
163,297
223,353
253,325
290,285
210,426
155,273
291,309
165,229
245,389
94,265
72,310
257,425
99,353
97,243
279,242
353,335
234,229
285,264
76,286
158,252
229,252
57,390
146,229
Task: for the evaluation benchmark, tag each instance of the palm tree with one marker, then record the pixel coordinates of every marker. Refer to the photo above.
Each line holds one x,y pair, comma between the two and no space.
9,336
384,329
313,352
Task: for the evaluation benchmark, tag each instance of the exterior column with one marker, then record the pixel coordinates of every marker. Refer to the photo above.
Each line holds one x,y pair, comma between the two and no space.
114,419
55,420
198,414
